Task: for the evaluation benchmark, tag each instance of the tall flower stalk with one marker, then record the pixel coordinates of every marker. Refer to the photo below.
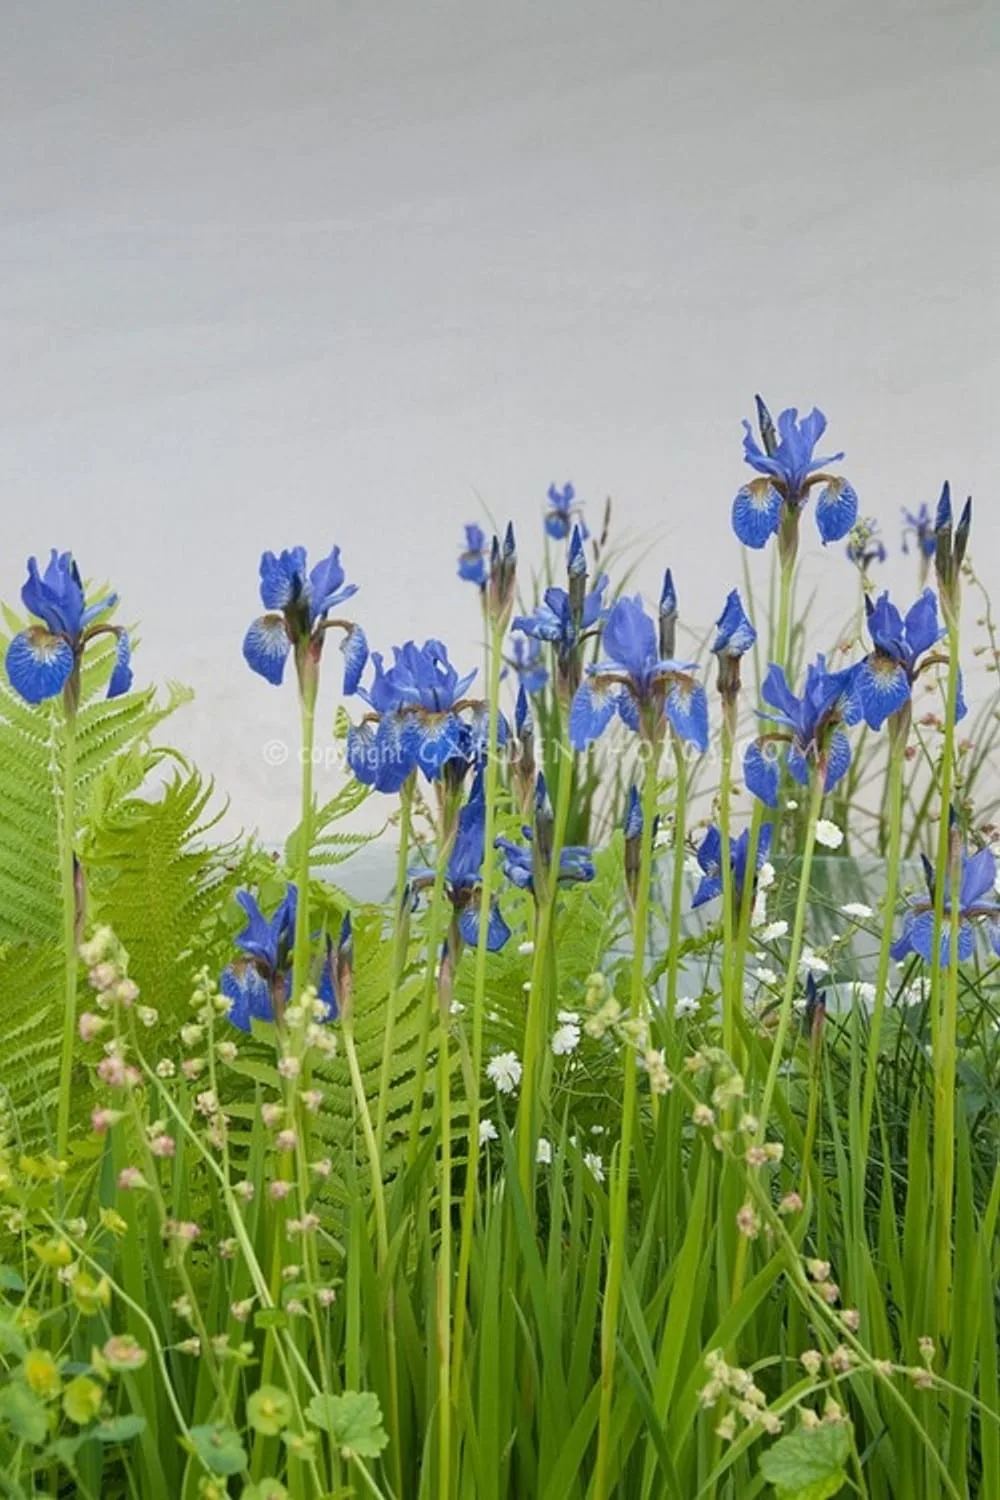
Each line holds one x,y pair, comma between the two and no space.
948,558
618,1238
400,939
68,890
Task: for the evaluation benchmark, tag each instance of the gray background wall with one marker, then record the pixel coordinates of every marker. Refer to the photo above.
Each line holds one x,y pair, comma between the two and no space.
344,272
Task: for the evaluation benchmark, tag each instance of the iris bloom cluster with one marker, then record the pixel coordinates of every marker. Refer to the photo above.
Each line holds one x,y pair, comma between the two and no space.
298,603
710,863
528,865
566,616
636,682
786,459
904,648
46,659
808,730
977,906
464,876
259,982
419,718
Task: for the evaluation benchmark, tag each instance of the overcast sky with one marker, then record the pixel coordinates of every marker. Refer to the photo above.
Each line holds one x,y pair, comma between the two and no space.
279,273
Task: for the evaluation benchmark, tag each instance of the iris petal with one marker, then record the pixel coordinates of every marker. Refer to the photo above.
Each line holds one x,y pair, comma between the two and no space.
838,759
760,772
248,993
38,664
121,676
836,510
266,647
592,710
354,648
756,513
687,710
709,887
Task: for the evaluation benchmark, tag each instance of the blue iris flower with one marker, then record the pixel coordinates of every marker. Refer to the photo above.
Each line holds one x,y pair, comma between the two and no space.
532,675
575,862
420,718
463,878
710,863
919,526
263,973
885,678
298,602
976,902
637,684
562,509
809,728
555,619
45,659
473,560
790,468
735,634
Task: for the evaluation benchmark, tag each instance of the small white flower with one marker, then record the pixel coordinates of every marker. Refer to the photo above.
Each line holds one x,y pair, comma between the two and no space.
792,805
566,1038
504,1071
487,1131
772,932
765,876
857,909
594,1165
865,992
828,834
543,1151
526,948
686,1006
759,915
457,1008
811,963
767,976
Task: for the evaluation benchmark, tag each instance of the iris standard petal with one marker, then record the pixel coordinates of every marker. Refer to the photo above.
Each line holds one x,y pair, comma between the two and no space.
266,647
38,664
775,691
326,584
923,629
629,637
756,513
836,510
282,577
979,872
121,675
760,772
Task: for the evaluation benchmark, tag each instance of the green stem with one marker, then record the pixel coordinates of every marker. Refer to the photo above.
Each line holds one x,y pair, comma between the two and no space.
620,1188
798,931
677,881
400,928
479,997
300,966
895,797
67,829
730,997
435,933
537,1016
944,1014
381,1242
444,1263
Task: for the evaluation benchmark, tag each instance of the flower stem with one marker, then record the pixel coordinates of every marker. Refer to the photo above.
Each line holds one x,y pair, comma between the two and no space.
381,1239
730,996
67,829
479,995
300,964
400,928
444,1262
895,797
944,1011
620,1186
435,926
798,931
536,1015
677,881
